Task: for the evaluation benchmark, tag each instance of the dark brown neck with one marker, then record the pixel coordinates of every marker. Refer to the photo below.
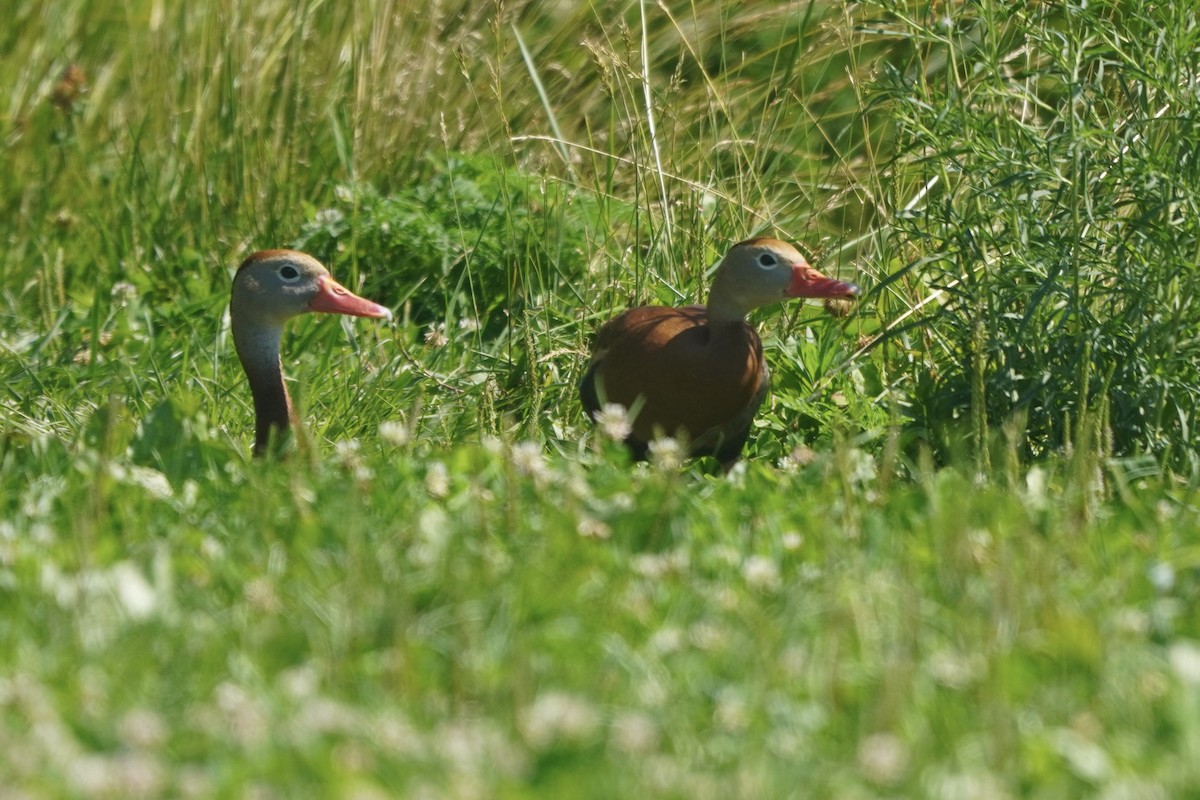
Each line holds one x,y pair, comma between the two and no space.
258,349
272,408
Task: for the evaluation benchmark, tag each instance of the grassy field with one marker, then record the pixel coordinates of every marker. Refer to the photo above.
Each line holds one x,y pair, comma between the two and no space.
961,558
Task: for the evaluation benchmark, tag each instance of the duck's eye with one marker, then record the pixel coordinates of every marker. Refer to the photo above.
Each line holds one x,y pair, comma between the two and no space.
289,273
767,261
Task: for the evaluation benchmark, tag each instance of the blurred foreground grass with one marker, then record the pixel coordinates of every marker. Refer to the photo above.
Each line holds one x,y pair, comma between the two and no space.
961,559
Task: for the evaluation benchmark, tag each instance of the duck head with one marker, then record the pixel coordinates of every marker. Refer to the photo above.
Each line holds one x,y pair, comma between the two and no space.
758,272
273,286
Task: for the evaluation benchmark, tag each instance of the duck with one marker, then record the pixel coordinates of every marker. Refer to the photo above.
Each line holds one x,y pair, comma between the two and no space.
270,288
697,373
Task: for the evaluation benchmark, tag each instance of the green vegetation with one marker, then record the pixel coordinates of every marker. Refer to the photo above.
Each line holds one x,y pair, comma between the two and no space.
962,559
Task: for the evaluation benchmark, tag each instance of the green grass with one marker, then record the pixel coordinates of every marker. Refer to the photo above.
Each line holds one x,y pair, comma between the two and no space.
961,559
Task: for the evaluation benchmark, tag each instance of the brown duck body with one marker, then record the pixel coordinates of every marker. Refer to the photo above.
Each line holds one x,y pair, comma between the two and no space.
707,380
698,372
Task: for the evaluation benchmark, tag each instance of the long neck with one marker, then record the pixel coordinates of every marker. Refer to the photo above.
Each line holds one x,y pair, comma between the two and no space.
723,315
725,307
257,346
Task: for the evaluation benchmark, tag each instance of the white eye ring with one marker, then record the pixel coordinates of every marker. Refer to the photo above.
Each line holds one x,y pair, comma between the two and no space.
767,261
289,273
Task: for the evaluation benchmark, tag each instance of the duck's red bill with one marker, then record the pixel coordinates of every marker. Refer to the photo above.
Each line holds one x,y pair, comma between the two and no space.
807,282
333,298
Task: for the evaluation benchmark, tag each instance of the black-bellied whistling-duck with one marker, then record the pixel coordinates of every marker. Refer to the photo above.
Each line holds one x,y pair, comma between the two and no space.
271,287
698,372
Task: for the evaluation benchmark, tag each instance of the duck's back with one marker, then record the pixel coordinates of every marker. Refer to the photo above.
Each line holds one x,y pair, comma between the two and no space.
704,381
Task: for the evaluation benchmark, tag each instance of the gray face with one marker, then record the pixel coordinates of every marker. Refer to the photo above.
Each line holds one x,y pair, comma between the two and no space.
762,271
753,274
274,287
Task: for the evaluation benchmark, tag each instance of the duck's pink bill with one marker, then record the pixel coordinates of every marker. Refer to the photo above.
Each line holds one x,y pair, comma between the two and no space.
333,298
807,282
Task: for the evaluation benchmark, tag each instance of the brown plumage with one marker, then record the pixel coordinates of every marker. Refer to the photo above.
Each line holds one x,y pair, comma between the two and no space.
271,287
698,372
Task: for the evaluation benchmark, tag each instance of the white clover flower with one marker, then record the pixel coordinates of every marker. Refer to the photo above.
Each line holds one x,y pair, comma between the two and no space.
666,453
708,636
261,595
437,480
394,432
475,747
556,716
651,565
634,732
137,596
317,716
1086,758
328,217
1036,485
1162,576
529,459
346,450
953,669
152,481
193,781
300,682
433,527
211,548
435,336
122,775
801,456
243,714
794,660
1184,657
970,785
883,758
761,572
732,714
393,731
578,487
862,466
737,473
592,528
346,453
666,640
1131,621
142,728
613,421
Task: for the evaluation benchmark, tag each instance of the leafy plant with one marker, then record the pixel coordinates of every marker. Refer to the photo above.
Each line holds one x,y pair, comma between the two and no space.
474,239
1059,146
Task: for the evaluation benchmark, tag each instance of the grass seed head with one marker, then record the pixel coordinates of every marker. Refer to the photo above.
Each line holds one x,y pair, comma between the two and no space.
838,306
71,85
